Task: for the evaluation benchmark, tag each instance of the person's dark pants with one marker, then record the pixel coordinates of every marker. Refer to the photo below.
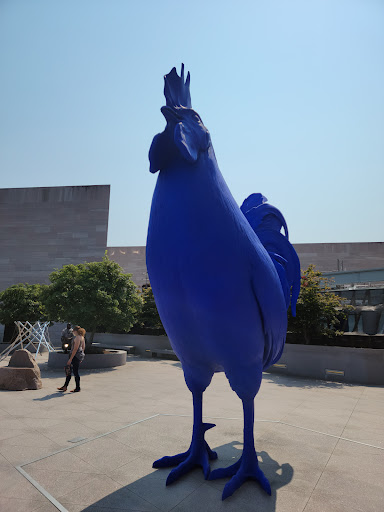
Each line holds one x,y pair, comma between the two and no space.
75,368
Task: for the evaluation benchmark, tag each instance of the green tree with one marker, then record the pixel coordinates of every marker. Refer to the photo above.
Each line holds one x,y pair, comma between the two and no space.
149,316
93,295
21,302
318,311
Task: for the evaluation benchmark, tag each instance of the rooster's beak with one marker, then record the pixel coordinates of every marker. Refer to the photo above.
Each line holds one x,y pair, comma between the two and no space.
170,114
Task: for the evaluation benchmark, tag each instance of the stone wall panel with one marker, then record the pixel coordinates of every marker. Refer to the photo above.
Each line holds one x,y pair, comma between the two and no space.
44,228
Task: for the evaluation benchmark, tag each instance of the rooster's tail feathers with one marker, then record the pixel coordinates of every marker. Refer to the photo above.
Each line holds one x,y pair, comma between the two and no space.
267,222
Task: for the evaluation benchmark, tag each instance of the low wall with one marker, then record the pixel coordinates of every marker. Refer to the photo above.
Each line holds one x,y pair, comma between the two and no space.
353,365
356,365
91,361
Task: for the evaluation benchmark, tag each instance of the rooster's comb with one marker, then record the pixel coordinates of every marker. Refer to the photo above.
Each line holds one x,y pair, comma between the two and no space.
176,92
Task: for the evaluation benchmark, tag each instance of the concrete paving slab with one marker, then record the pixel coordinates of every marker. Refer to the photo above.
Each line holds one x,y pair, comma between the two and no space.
34,439
62,461
14,485
374,392
96,427
19,505
20,454
321,502
295,461
301,450
10,424
329,421
371,436
4,463
131,472
41,423
46,507
152,489
67,430
105,454
57,482
147,441
107,494
366,420
7,434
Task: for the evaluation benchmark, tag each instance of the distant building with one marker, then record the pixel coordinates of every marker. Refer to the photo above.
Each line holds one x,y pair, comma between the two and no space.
132,261
327,258
337,257
45,228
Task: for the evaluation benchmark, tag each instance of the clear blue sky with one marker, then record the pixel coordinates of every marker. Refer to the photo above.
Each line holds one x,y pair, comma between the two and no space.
292,92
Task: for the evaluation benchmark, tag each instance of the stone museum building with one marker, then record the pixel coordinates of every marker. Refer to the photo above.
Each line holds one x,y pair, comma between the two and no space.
44,228
329,257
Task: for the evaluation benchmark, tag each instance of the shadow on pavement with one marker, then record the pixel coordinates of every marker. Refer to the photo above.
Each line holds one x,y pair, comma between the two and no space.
206,495
49,397
143,359
302,382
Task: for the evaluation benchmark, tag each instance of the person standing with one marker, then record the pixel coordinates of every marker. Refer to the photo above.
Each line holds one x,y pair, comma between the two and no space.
66,338
75,358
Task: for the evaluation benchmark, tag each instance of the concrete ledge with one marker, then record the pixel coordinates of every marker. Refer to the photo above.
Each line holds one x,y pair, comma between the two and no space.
108,360
130,349
168,353
352,365
346,364
142,342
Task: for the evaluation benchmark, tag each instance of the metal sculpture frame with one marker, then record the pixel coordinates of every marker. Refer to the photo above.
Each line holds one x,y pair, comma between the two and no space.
35,334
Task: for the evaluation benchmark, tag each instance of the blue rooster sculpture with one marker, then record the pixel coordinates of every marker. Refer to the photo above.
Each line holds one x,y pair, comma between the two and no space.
222,276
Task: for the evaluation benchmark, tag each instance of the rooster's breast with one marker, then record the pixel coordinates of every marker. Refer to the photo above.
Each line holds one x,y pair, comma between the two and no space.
200,267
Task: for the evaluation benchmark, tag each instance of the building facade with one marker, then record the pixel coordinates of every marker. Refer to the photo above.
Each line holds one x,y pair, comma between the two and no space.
44,228
341,257
327,258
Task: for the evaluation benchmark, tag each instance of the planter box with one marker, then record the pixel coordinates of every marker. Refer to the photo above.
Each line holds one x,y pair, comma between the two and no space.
110,359
344,364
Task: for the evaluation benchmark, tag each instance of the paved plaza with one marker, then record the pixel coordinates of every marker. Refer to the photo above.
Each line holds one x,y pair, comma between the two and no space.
321,444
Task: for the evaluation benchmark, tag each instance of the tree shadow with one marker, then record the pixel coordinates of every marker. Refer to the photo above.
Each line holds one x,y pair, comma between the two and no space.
143,359
197,493
170,362
304,383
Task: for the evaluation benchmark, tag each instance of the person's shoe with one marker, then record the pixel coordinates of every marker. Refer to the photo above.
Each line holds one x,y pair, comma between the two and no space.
63,388
76,390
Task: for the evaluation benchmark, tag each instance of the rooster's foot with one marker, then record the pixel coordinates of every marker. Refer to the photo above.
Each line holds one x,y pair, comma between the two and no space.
199,454
240,472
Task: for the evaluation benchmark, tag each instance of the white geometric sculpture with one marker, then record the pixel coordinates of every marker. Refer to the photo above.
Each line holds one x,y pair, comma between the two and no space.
36,335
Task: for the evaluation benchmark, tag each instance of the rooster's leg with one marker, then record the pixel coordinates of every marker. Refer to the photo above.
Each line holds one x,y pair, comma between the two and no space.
198,454
247,467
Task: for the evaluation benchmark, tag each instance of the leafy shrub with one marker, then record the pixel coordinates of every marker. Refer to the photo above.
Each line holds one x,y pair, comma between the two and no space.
92,295
21,302
318,311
